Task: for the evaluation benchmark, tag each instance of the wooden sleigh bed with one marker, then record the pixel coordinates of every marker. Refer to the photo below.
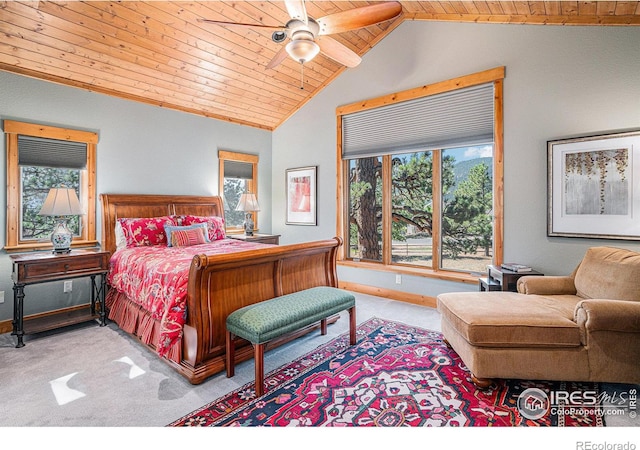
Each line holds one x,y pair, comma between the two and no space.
217,284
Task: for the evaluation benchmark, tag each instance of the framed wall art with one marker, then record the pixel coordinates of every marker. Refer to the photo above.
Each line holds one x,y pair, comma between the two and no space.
594,186
301,196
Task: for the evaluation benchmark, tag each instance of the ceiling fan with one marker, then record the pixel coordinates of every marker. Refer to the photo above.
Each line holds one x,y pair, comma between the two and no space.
309,36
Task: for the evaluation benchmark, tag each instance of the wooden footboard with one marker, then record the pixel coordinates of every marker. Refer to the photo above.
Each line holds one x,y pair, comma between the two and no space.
220,284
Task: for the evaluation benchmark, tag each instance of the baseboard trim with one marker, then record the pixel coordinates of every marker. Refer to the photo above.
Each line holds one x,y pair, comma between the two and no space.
406,297
6,326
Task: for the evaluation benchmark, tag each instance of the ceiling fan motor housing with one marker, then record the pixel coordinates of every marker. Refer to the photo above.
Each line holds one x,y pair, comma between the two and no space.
295,26
301,35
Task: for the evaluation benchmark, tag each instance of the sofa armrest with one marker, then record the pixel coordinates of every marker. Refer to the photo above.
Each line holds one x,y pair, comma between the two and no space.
554,285
608,315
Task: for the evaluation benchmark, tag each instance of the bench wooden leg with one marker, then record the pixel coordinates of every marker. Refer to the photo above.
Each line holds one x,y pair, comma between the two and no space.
231,355
323,327
352,325
259,362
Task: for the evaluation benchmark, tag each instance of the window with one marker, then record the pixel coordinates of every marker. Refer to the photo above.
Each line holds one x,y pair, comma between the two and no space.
38,158
422,178
365,209
238,175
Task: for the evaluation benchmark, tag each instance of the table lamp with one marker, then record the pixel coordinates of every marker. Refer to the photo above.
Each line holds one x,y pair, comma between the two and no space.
248,203
61,203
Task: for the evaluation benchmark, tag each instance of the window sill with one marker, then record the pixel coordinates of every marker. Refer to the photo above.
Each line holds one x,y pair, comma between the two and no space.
37,246
470,278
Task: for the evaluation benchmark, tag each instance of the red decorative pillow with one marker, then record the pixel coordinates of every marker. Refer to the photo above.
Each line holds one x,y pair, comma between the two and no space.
185,238
140,232
215,225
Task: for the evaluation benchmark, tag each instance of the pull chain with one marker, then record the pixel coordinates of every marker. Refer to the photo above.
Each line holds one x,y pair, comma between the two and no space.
302,75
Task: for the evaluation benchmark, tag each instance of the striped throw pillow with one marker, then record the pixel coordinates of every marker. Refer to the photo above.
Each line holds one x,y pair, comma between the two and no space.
185,238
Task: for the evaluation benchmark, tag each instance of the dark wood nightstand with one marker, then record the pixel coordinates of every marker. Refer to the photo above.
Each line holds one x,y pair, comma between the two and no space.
500,279
42,267
262,238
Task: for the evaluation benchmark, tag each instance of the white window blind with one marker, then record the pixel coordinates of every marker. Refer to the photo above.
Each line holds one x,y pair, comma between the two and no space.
451,119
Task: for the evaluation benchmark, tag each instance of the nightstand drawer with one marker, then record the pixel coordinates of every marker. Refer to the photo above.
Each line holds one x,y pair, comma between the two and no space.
70,267
34,269
268,240
262,238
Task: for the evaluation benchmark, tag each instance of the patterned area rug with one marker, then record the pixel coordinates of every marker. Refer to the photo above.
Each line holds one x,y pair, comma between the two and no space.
396,375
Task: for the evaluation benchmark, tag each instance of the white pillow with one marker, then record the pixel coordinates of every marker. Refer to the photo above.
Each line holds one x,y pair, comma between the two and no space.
121,241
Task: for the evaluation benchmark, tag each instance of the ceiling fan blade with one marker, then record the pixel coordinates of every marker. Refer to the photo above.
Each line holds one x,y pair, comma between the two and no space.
297,10
237,24
278,58
353,19
338,52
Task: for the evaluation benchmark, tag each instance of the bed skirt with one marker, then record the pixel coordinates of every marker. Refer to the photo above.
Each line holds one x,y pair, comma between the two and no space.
135,320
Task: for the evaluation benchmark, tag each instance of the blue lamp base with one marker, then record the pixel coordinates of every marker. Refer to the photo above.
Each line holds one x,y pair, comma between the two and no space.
61,237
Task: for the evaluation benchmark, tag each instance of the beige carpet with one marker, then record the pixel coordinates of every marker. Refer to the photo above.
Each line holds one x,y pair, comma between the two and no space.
87,376
92,376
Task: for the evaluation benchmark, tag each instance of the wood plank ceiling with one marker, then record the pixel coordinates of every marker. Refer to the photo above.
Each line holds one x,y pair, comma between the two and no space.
159,53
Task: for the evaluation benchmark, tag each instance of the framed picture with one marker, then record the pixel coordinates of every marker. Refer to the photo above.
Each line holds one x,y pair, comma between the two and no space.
301,196
594,186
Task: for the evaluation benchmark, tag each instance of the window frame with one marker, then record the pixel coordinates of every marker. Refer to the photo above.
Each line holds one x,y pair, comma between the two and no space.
495,76
224,155
13,129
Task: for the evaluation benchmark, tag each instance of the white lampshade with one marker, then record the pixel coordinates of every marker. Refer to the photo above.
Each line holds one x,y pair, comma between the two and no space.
302,50
248,202
61,202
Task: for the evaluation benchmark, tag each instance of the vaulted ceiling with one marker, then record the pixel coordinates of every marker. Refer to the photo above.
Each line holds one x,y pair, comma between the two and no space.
159,52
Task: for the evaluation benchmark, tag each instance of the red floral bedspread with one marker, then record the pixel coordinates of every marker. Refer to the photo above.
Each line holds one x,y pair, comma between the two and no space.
155,277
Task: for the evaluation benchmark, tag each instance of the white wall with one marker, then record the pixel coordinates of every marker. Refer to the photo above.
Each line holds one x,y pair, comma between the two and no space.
560,82
141,149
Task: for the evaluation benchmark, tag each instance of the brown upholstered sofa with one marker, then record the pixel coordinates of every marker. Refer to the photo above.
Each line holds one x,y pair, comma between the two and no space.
580,327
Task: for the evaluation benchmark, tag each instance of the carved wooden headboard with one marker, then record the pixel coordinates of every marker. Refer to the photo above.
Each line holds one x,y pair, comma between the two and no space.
115,206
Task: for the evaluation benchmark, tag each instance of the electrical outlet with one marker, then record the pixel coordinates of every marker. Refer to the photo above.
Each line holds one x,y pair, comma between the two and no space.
68,286
398,278
1,296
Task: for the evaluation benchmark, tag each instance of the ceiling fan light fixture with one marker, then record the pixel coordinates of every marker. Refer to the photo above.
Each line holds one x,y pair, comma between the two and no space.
302,50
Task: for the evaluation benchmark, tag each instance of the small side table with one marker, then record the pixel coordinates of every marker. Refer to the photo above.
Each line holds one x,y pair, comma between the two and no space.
42,267
499,279
262,238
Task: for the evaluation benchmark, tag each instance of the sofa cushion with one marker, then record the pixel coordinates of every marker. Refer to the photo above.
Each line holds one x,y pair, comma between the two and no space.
509,319
609,273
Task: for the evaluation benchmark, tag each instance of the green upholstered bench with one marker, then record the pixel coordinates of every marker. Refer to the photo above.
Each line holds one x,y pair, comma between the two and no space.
261,322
